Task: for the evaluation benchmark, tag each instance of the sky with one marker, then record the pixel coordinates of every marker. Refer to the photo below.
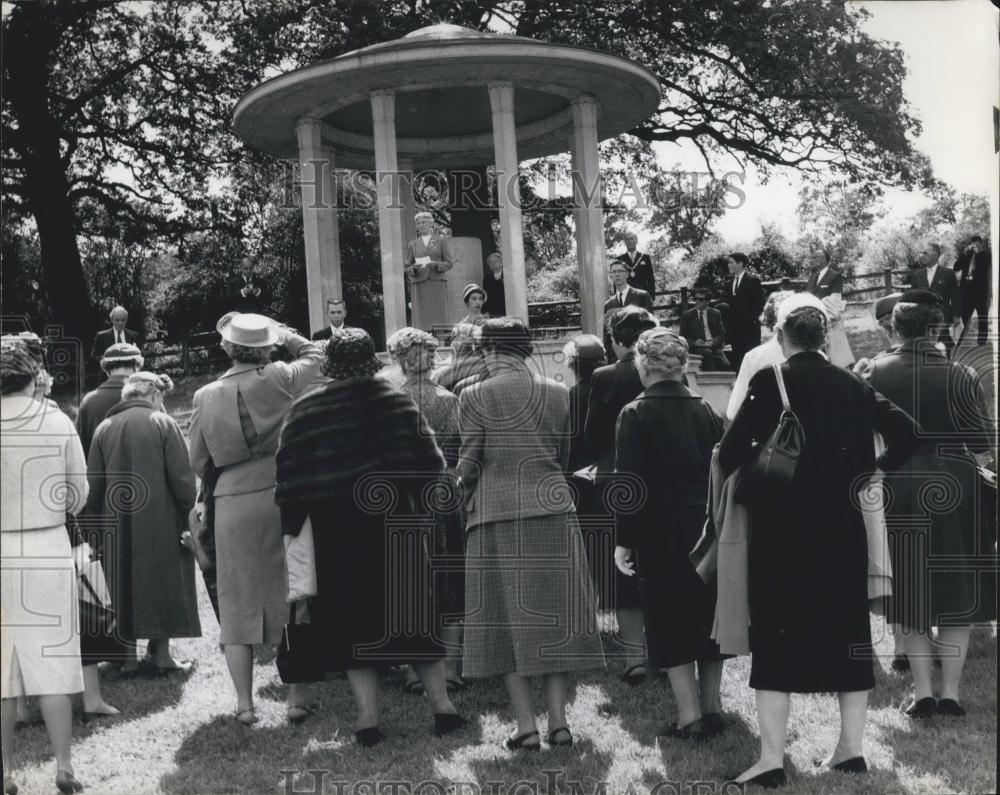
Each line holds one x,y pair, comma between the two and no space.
953,83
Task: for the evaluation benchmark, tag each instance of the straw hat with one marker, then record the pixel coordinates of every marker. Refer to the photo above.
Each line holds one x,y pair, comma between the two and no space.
248,330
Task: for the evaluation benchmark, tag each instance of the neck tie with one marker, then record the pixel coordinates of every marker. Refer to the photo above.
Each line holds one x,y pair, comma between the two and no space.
118,337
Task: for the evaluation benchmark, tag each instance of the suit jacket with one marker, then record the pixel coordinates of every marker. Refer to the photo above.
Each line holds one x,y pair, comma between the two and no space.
325,333
745,306
945,285
433,249
973,271
692,330
220,434
515,447
640,271
496,299
612,386
105,339
831,284
95,407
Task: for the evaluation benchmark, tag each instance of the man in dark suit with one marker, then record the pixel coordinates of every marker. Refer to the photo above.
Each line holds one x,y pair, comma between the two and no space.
116,335
252,293
612,386
496,300
336,311
943,281
973,269
639,265
824,280
746,302
705,332
623,295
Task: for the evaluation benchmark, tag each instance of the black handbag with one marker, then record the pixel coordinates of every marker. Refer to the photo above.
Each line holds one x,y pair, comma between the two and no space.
96,619
770,473
300,654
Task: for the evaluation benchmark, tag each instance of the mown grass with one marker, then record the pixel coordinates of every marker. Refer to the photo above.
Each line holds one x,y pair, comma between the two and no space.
177,736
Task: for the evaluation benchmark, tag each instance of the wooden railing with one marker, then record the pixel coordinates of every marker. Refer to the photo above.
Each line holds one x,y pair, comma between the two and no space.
200,351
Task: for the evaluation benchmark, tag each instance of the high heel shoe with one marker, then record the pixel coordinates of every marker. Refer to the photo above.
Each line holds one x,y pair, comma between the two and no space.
769,779
566,742
66,783
519,742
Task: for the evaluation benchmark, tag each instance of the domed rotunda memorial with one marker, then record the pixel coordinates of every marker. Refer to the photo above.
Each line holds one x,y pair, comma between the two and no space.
444,98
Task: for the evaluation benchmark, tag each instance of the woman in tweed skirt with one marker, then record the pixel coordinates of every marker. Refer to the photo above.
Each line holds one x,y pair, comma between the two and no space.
528,595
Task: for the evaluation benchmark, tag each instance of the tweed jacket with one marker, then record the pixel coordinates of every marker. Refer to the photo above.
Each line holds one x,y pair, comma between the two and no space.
515,447
262,395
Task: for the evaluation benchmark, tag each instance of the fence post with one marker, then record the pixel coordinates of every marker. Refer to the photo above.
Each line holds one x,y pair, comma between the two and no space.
684,300
887,280
186,356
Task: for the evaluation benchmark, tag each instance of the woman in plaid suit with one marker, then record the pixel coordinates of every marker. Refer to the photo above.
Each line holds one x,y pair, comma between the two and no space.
529,599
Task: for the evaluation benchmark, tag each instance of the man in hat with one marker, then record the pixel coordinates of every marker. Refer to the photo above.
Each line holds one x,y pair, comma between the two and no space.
623,294
118,363
705,333
426,267
116,335
336,312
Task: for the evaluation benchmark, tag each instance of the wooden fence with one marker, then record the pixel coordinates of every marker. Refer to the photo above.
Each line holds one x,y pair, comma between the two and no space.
200,351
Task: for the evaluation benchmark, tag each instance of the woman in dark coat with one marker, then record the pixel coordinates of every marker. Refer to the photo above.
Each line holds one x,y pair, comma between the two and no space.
360,461
140,480
808,557
943,560
664,439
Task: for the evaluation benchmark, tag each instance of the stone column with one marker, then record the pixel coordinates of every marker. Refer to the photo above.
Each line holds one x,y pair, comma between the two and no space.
319,221
589,234
390,218
409,203
508,194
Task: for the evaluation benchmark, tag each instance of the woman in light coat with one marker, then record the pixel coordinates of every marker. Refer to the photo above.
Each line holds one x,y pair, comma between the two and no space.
43,478
234,428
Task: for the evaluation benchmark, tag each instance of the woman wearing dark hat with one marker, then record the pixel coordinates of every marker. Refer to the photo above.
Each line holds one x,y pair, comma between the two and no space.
357,458
44,478
414,351
665,439
808,551
234,432
474,297
118,363
522,619
934,527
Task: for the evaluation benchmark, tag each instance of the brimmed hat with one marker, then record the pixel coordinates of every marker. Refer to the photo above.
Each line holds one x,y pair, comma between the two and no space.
248,330
629,322
121,353
472,289
350,353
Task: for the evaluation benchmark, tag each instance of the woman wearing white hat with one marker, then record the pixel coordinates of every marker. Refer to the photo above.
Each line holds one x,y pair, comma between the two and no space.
234,429
474,297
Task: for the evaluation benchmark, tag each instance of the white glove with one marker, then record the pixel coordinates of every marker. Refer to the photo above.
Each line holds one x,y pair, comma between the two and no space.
624,561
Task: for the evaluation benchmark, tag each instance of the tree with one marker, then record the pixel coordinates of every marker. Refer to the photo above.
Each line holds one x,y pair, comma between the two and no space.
836,217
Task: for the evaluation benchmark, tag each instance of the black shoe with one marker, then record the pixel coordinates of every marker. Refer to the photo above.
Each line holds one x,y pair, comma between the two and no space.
518,742
369,737
693,732
448,722
713,724
769,779
9,787
948,706
900,662
922,709
856,764
565,742
66,783
631,678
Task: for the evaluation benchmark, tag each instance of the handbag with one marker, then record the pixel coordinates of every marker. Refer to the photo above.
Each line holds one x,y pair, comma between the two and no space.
97,616
771,472
300,654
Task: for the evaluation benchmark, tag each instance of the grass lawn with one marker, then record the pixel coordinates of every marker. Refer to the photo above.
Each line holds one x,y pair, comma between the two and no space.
177,736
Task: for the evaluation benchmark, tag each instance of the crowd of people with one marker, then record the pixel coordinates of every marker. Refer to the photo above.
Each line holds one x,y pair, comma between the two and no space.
445,511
